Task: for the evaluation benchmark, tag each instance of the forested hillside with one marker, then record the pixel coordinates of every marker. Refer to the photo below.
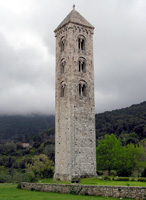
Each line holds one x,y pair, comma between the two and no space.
27,142
128,124
20,127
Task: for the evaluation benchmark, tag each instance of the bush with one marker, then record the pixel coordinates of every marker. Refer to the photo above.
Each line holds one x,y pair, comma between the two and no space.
121,179
124,173
23,177
133,179
99,173
107,178
142,179
19,186
41,167
5,178
113,173
144,173
4,175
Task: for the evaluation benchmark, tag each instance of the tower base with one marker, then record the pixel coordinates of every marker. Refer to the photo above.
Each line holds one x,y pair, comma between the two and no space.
68,177
62,177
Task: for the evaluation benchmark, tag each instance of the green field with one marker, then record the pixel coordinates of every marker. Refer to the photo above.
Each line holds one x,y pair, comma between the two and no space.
96,181
10,192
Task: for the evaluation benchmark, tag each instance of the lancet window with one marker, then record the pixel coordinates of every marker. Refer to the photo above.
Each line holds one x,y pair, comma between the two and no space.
82,65
62,43
62,65
81,43
62,91
82,89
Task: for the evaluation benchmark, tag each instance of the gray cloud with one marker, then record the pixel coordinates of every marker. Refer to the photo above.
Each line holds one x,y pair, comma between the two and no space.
27,53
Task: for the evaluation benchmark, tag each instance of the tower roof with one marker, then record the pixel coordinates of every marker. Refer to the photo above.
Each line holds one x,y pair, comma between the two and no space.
76,18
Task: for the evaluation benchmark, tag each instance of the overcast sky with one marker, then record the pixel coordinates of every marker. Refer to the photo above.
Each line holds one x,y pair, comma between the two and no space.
27,52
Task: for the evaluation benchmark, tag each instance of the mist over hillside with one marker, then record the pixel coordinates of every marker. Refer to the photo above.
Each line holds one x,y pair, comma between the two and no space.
19,127
128,124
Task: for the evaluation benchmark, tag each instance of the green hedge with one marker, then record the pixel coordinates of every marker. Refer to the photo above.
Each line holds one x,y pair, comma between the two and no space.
121,179
107,178
142,179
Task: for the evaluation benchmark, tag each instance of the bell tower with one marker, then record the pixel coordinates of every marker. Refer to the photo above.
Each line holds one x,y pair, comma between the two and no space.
75,143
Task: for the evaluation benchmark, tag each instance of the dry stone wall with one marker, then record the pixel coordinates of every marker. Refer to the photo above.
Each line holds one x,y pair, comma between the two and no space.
91,190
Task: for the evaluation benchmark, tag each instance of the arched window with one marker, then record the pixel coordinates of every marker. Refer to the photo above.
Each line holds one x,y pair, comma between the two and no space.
62,65
62,91
82,89
81,43
62,43
82,65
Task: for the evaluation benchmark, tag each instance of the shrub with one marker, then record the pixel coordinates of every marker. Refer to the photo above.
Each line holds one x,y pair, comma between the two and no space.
124,173
5,178
99,173
144,173
107,178
23,177
133,179
113,173
19,186
121,179
41,167
18,177
31,176
4,175
142,179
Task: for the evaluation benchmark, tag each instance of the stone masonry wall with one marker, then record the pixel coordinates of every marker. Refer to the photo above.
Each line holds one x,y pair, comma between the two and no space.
75,142
91,190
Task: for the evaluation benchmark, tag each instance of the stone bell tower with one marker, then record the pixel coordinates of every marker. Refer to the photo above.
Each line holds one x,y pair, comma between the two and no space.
75,148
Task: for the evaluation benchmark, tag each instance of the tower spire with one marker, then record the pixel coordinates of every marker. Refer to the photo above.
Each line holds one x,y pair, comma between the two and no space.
74,6
76,18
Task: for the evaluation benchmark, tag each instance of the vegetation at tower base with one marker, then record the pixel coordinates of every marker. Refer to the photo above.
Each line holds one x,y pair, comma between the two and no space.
20,163
27,169
111,155
41,166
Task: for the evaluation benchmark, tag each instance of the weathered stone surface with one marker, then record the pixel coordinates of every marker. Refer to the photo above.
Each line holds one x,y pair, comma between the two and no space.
74,17
75,148
92,190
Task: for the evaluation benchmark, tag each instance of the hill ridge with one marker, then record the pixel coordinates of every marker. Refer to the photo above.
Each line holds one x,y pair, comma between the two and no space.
122,121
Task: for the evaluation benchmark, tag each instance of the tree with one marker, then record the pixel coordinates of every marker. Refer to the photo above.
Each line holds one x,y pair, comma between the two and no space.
128,138
130,159
41,166
111,155
108,151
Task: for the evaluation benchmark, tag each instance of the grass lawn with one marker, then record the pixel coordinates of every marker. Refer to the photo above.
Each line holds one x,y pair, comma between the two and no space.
10,192
96,181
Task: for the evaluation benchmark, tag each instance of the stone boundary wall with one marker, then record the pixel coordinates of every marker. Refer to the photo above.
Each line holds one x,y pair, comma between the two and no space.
91,190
